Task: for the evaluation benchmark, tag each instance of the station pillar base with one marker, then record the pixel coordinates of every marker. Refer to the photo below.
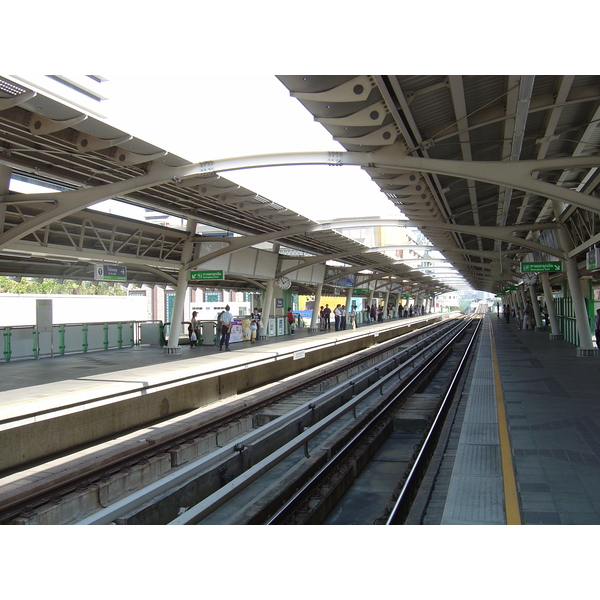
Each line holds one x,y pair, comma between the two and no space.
588,352
172,350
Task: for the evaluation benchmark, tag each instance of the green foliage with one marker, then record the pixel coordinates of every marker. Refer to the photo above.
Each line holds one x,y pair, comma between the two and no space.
50,286
464,305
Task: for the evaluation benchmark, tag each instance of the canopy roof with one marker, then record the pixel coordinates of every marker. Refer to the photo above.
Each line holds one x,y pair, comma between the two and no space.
83,160
472,206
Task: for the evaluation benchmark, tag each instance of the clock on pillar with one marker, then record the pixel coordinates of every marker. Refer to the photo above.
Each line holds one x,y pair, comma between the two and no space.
530,278
284,283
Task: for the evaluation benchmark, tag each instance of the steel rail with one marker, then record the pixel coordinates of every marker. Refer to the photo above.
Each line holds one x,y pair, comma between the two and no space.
411,485
129,503
196,513
300,496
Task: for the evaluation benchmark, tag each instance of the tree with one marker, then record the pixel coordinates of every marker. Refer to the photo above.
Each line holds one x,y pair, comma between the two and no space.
26,285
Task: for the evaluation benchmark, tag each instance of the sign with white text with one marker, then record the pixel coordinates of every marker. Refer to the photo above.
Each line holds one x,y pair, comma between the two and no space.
541,267
206,275
110,273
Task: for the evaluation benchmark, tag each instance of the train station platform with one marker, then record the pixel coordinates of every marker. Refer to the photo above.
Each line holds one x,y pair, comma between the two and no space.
24,383
53,405
525,447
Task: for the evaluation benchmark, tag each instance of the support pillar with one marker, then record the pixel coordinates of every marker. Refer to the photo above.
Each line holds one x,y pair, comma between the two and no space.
315,321
514,300
5,173
554,326
386,300
537,313
348,301
266,312
523,299
180,292
586,347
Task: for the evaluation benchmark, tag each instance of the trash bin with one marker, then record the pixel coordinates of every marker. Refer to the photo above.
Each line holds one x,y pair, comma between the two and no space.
208,331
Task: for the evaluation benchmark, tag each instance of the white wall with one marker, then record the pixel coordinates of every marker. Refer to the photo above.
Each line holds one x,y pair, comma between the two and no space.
19,309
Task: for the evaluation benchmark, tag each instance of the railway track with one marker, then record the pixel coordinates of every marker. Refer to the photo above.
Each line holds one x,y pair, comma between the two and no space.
255,442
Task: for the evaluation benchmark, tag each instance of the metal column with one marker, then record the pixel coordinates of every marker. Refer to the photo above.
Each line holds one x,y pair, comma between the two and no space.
181,290
315,322
556,333
5,173
267,306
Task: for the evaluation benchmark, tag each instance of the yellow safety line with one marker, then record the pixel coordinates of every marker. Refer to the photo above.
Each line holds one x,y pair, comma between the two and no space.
511,498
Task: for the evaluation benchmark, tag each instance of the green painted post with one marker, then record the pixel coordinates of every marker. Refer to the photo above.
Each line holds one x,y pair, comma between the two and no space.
61,339
120,336
105,336
84,341
7,351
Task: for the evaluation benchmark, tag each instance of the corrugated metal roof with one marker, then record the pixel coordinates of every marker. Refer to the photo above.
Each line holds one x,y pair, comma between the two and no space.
504,118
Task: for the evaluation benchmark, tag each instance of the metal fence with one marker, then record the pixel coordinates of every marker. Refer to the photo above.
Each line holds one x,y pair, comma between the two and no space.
567,321
26,342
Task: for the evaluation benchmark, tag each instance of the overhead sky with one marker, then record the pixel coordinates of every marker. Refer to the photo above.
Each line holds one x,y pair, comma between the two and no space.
241,114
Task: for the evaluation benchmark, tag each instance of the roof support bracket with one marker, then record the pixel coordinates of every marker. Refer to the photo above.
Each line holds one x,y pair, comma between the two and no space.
39,125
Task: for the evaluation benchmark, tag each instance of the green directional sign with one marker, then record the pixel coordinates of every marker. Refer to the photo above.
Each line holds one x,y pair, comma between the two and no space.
206,275
509,288
593,259
361,291
110,272
541,267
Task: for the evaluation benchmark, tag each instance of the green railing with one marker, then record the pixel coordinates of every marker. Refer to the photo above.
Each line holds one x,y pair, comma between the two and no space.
25,342
566,318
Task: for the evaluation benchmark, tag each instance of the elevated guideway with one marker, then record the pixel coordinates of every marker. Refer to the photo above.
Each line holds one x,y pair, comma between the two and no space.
51,405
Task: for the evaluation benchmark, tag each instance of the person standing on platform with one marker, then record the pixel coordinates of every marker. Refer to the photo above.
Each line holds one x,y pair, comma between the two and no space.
321,319
255,319
352,316
193,330
527,316
545,315
327,317
219,327
253,331
291,323
343,314
368,315
226,322
597,327
373,313
337,316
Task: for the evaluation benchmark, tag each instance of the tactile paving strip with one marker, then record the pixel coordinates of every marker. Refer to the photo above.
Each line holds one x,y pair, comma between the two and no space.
476,493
